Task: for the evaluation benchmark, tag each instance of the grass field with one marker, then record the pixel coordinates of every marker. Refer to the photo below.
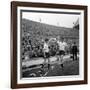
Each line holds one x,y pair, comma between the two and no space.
70,68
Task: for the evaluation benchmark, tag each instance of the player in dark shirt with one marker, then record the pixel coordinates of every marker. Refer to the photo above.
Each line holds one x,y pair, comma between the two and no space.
74,51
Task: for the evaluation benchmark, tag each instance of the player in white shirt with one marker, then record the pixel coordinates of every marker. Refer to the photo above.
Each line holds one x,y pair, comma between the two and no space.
62,45
46,52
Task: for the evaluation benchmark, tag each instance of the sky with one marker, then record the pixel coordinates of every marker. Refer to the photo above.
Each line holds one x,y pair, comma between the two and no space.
63,20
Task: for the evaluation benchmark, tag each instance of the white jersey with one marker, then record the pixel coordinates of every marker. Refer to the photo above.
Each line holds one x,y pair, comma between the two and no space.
62,45
46,47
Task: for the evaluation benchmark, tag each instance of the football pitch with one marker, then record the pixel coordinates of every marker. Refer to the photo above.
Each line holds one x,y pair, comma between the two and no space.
35,70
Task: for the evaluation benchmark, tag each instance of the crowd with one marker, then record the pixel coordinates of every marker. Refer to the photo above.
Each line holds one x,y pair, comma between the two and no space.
34,49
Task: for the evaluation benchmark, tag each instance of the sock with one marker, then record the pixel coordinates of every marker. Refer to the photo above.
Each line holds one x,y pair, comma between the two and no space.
62,65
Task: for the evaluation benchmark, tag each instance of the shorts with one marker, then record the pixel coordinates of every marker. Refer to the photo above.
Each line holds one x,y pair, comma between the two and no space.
61,52
47,55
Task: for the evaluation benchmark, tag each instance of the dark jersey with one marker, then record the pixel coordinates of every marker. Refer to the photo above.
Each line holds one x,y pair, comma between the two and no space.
74,49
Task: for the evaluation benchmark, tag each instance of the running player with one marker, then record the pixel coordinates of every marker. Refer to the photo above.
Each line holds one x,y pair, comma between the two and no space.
62,45
46,52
